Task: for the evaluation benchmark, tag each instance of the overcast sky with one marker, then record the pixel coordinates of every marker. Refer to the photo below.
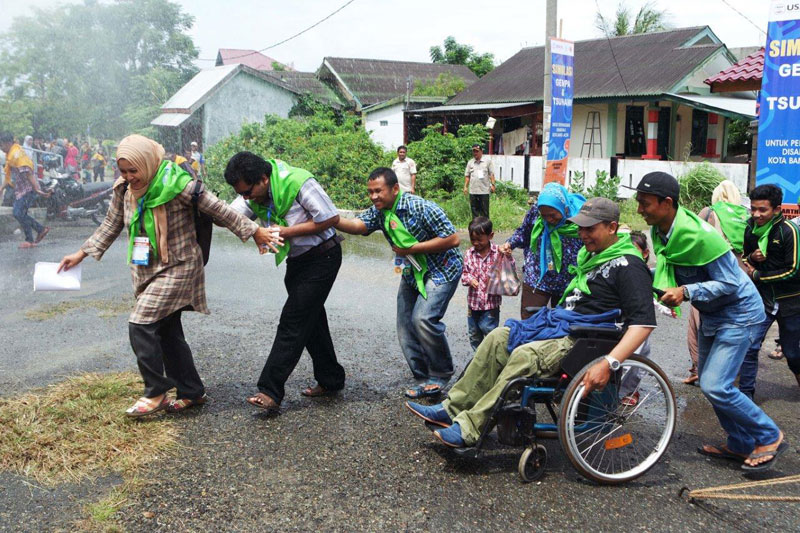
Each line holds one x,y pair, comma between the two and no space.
406,29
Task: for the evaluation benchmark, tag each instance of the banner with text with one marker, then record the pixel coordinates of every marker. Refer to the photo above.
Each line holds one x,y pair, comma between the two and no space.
561,74
779,105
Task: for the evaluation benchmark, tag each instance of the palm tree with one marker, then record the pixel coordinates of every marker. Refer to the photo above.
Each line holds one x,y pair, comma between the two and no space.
647,20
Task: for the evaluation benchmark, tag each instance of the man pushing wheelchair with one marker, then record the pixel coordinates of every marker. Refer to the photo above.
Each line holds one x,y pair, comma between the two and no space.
612,284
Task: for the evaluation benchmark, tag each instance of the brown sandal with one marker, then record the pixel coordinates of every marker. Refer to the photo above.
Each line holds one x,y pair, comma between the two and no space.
178,406
262,401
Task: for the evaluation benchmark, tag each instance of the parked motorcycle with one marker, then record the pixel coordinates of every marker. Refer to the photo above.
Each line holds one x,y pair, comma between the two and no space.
71,200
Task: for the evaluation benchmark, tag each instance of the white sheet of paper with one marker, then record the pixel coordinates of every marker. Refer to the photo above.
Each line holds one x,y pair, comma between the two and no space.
45,278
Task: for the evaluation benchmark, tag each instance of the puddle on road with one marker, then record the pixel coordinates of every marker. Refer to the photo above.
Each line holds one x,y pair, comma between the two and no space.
106,308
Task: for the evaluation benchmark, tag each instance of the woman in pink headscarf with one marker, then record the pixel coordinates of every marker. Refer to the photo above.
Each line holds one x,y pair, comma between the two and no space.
153,199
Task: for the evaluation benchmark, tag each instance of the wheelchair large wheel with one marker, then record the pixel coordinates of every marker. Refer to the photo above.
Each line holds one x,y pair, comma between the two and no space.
609,440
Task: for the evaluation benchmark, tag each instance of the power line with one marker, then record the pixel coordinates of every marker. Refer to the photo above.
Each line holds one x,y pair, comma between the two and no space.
298,34
743,16
611,48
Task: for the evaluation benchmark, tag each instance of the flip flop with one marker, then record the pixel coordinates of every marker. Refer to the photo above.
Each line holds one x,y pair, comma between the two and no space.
317,391
257,402
423,391
776,354
721,453
782,447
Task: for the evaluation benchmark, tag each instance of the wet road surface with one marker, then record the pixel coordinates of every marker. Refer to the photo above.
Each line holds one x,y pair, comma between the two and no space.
358,461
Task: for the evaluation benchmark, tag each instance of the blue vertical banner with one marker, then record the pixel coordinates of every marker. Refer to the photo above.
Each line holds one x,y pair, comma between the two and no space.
779,104
562,54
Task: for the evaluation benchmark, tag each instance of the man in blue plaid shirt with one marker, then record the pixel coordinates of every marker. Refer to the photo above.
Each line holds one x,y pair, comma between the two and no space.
419,327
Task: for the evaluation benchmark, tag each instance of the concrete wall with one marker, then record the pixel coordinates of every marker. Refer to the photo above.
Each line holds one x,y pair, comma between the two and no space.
391,135
511,168
580,113
243,99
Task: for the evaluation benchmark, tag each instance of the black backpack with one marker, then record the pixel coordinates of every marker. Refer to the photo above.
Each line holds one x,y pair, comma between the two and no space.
203,224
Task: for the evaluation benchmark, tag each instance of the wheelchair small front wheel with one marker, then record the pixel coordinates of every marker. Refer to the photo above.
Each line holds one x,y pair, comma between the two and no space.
619,433
532,463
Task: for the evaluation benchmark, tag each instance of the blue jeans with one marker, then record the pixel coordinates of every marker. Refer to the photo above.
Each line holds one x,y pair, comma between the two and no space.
26,222
421,332
480,324
719,359
789,333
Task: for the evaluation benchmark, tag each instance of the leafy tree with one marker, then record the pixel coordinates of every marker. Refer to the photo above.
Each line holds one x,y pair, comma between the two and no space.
335,148
95,66
446,84
455,53
278,67
648,19
441,157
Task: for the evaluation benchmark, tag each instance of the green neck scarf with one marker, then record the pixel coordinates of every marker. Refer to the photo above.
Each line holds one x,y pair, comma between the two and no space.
169,182
402,238
588,261
762,232
568,229
284,184
693,242
733,220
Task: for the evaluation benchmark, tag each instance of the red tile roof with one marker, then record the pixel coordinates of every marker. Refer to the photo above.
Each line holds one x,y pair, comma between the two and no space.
747,69
251,58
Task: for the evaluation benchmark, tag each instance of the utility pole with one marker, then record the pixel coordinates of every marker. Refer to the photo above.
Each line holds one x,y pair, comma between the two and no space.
551,24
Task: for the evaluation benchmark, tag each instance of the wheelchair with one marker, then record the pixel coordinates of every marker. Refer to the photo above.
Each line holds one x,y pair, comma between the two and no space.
606,439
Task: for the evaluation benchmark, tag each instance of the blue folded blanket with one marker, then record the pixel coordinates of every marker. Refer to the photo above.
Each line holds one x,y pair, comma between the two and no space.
554,323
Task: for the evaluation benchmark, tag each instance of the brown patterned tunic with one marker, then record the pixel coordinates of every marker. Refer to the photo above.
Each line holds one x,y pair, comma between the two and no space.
161,289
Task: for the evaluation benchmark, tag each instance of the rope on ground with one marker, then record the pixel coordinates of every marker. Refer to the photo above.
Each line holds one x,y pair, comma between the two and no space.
724,492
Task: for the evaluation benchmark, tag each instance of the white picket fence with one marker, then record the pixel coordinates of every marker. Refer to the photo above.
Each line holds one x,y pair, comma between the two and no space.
512,168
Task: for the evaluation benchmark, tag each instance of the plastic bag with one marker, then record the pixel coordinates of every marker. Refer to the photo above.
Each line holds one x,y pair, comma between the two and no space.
503,278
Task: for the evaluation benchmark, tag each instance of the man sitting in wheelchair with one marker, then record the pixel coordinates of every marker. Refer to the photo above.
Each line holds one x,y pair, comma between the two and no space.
612,281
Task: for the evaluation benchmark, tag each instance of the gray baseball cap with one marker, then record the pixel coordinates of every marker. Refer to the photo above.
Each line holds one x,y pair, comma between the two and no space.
596,210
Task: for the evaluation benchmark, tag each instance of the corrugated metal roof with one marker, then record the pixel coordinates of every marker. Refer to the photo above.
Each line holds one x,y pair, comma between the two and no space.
375,80
723,105
188,97
172,120
469,107
651,64
251,58
307,82
200,88
749,68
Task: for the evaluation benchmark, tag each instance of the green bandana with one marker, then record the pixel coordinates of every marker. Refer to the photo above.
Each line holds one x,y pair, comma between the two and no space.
284,184
588,261
170,180
401,238
566,230
693,243
733,219
762,232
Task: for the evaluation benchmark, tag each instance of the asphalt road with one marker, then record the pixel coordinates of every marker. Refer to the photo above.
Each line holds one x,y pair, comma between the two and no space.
358,461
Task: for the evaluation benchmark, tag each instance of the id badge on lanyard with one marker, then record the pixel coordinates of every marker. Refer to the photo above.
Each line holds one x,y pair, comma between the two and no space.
141,245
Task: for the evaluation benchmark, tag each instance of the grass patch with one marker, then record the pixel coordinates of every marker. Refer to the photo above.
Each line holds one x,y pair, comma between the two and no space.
506,212
106,308
629,216
75,429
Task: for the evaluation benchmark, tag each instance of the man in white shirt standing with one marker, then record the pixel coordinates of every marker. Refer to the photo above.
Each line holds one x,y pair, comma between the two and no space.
479,182
406,170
